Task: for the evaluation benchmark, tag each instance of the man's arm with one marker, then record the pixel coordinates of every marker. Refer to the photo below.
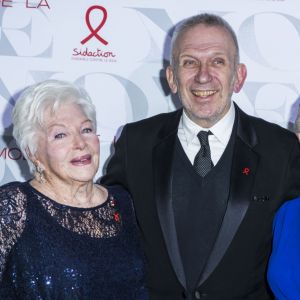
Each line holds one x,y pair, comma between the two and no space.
116,168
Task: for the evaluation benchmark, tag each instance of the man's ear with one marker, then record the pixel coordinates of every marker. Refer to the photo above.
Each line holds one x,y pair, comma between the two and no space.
171,79
241,74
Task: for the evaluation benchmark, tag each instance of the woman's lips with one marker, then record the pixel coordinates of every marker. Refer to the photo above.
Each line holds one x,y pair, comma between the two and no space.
82,160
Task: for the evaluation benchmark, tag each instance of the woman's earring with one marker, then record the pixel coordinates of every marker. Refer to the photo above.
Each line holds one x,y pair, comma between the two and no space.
40,173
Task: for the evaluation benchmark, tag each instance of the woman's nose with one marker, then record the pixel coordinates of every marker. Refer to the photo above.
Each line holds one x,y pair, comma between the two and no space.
79,141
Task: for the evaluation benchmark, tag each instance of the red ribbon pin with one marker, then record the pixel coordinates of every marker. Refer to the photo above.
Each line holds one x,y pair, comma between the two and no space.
246,171
117,217
94,32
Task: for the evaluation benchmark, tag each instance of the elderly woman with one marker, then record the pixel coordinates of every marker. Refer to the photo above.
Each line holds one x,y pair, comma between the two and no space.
61,235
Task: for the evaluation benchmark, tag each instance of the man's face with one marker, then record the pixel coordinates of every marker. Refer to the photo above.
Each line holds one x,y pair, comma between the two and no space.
205,73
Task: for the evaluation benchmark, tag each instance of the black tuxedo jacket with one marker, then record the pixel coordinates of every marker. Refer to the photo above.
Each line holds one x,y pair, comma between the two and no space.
265,172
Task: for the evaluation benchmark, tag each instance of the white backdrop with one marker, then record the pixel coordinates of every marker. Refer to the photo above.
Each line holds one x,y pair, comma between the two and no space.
117,50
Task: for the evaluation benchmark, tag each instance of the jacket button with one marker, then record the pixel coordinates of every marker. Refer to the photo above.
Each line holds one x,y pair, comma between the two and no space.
199,295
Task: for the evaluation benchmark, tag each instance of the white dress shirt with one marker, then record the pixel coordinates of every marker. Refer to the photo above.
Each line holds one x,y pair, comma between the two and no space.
221,131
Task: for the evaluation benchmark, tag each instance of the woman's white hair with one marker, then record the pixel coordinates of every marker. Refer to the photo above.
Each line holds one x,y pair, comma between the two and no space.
28,113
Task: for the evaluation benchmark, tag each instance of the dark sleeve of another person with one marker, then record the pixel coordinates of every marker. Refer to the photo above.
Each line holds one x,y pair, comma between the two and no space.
116,168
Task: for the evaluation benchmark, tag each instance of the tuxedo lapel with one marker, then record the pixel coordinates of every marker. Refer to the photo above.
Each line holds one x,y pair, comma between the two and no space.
244,165
163,154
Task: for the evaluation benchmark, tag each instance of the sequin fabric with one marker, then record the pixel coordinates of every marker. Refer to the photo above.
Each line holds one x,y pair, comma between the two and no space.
53,251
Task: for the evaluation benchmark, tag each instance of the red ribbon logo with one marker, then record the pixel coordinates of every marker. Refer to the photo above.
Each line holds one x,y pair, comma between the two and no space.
246,171
94,32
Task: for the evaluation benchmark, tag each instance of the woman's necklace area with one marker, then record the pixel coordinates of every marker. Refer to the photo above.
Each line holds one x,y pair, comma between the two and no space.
93,198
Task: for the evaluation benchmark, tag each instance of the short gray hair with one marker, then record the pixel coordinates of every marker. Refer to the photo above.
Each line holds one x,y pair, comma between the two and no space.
209,20
28,113
297,122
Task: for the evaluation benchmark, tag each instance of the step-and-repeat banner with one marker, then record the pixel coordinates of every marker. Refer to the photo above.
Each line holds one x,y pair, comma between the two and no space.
117,50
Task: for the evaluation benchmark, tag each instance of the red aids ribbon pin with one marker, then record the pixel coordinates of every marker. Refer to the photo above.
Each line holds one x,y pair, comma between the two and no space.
94,32
117,217
246,171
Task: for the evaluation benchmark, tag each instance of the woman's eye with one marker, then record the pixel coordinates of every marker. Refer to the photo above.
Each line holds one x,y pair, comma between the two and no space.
59,135
87,130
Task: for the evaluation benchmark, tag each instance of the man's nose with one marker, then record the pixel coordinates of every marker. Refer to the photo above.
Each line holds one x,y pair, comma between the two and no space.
203,74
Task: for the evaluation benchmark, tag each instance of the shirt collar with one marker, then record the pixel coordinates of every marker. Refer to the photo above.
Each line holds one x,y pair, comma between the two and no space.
221,130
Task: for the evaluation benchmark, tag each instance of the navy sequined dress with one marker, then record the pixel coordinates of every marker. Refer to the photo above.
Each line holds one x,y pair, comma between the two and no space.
54,251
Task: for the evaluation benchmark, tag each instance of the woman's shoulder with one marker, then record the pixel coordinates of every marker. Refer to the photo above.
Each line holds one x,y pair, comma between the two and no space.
287,217
122,199
283,269
291,207
12,197
13,184
117,190
13,188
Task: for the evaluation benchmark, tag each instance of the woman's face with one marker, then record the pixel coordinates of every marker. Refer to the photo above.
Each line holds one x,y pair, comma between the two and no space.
68,147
